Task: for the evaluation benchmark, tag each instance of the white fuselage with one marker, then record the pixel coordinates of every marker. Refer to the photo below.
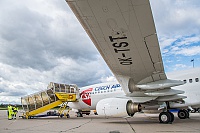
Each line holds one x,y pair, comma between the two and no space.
91,95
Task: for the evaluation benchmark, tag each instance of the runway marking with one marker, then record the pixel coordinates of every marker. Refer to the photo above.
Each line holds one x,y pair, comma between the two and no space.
177,131
130,125
77,126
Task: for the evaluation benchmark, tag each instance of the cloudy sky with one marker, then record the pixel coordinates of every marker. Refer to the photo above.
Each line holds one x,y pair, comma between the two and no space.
42,41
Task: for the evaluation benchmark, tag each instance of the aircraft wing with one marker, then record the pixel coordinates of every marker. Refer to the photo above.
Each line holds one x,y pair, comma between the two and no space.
123,31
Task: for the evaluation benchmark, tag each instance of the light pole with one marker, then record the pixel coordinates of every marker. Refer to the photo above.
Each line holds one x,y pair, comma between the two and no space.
192,62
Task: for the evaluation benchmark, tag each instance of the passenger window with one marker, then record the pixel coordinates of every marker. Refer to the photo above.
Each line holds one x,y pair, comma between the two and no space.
190,80
197,79
185,81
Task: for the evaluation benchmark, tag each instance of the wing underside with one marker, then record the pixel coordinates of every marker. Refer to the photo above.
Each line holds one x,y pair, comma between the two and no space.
124,34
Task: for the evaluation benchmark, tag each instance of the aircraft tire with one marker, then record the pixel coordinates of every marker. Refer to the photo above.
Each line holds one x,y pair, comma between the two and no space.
188,114
183,114
79,114
165,117
95,113
172,116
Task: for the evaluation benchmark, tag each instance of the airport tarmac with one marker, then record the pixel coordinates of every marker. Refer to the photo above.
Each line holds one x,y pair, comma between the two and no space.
140,123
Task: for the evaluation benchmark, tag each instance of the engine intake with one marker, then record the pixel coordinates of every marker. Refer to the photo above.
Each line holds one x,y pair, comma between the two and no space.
117,107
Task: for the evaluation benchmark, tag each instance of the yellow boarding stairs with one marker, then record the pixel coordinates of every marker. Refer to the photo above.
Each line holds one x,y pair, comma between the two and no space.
55,95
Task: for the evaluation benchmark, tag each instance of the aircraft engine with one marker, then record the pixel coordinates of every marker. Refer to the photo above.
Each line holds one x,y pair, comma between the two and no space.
117,107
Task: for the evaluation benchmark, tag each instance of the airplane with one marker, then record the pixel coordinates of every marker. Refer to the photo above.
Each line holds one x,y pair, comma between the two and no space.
124,34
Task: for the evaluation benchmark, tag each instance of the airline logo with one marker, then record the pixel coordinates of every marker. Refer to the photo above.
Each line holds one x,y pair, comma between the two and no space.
107,87
85,96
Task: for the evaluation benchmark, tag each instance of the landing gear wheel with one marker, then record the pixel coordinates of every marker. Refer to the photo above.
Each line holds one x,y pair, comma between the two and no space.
172,116
183,114
79,114
165,117
187,112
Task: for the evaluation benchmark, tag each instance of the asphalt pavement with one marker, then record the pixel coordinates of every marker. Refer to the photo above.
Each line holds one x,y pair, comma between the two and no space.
140,123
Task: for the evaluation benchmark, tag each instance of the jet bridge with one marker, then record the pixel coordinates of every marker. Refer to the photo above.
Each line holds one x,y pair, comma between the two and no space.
54,95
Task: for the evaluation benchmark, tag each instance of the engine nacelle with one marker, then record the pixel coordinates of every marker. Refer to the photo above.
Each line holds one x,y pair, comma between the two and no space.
117,107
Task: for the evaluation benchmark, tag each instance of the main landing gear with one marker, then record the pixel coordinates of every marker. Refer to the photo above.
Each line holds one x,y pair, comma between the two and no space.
81,112
168,117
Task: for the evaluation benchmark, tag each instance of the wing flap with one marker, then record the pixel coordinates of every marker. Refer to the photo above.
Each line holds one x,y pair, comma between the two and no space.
171,98
161,84
141,99
165,92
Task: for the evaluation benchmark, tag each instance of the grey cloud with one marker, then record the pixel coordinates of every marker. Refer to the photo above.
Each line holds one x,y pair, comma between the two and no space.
30,39
83,77
23,38
15,91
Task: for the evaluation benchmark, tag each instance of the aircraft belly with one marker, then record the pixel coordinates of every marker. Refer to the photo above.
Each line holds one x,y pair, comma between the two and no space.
185,105
74,105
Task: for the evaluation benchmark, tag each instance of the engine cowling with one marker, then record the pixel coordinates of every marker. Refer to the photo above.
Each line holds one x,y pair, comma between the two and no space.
117,107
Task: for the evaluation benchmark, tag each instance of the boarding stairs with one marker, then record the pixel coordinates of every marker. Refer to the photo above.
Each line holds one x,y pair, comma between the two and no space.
55,95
